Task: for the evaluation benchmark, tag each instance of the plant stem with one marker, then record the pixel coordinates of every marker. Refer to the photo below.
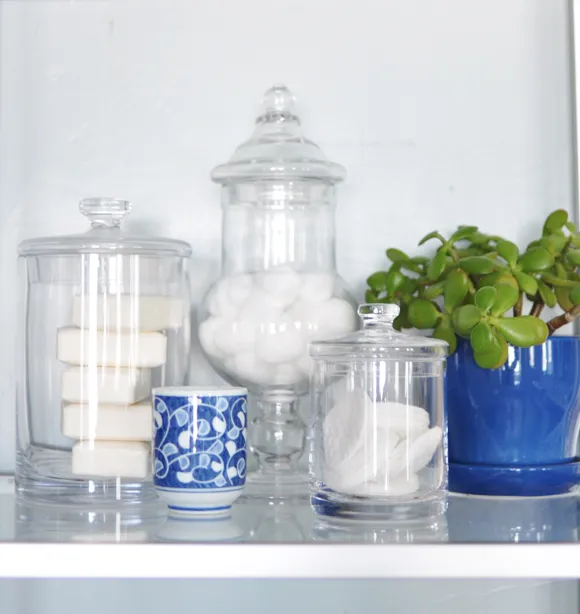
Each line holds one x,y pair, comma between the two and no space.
537,308
563,319
518,305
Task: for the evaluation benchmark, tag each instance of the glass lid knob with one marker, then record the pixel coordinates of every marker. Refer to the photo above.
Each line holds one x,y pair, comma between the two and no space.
278,104
105,212
378,314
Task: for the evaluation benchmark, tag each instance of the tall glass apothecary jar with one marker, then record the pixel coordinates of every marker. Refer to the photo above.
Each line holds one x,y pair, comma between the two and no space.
279,288
106,318
380,443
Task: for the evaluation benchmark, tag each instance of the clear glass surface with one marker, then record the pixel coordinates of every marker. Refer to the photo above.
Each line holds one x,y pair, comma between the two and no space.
379,446
100,328
279,288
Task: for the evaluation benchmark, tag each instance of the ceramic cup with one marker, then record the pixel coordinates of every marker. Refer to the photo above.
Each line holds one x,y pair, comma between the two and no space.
199,448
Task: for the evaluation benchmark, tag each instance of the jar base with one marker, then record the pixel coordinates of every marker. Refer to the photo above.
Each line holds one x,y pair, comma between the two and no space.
331,504
44,475
275,486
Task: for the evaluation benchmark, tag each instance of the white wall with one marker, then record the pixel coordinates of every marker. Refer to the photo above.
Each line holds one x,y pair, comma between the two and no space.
443,111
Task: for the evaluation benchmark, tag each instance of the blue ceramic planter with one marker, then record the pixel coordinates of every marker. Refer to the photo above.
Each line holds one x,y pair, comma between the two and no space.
514,430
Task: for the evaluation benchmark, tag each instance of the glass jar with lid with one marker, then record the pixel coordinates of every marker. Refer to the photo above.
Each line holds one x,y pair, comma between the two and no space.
279,287
106,318
380,448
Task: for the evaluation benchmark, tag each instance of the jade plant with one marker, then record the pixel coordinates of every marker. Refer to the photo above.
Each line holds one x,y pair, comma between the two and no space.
475,287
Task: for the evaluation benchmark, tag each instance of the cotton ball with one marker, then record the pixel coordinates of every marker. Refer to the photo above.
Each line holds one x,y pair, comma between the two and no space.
287,374
337,316
284,285
423,448
305,364
239,288
208,330
316,287
280,342
219,303
249,368
260,308
235,337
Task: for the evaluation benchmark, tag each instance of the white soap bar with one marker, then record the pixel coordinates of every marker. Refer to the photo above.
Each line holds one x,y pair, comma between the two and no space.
126,459
77,346
114,311
108,422
105,385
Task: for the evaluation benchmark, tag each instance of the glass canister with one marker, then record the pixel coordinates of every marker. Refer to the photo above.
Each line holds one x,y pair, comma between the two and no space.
279,288
380,444
106,318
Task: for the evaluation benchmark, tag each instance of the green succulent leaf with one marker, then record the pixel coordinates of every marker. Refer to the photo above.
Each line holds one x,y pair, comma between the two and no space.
463,232
554,243
496,356
437,265
444,331
571,226
536,259
507,297
395,280
563,296
555,221
575,295
527,283
396,255
371,297
423,313
419,260
561,271
523,331
573,255
378,281
465,318
485,298
455,288
477,265
434,291
482,338
432,235
557,282
547,294
508,251
402,320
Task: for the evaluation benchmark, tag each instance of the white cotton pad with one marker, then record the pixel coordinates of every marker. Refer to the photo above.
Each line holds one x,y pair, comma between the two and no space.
77,346
108,422
126,311
105,385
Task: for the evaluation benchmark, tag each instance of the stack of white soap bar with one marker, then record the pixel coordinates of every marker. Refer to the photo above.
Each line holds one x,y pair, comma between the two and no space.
112,347
260,325
374,448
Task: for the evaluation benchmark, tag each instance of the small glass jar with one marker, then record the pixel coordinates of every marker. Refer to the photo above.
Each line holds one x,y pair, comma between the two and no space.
279,288
106,317
380,448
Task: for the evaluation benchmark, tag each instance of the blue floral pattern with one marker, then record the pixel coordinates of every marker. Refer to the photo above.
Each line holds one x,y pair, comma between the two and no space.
200,441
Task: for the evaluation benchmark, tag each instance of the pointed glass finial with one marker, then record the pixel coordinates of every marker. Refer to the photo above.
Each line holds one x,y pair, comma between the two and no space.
278,104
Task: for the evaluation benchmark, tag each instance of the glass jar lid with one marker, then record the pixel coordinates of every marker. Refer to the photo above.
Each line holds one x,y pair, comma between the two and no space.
278,148
378,339
105,235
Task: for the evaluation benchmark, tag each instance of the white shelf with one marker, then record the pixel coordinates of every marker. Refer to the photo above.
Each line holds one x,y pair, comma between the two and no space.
290,542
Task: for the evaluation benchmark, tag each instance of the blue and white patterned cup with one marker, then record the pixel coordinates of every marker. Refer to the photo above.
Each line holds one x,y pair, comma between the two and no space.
199,448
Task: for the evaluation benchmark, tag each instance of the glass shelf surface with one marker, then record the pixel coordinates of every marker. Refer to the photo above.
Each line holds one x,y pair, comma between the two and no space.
478,537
